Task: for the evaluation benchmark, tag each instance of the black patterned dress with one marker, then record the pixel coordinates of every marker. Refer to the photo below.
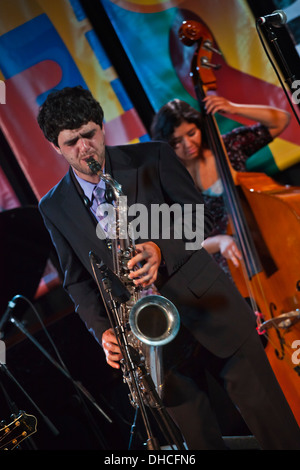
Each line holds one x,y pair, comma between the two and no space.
240,144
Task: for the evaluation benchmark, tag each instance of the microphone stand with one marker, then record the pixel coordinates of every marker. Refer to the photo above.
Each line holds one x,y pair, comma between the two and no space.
289,77
133,369
286,72
79,387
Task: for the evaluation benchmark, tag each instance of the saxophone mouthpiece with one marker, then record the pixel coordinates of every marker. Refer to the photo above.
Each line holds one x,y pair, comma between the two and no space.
94,166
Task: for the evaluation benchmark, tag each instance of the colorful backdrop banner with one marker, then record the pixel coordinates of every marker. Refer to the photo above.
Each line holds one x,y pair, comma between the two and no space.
46,45
148,31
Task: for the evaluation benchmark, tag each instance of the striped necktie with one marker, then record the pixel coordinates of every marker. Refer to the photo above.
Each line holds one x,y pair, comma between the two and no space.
104,211
99,195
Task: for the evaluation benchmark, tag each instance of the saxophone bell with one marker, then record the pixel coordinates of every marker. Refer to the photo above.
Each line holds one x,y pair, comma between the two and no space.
154,320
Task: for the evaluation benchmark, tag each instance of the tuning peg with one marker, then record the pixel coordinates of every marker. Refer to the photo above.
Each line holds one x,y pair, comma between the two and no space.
205,63
207,44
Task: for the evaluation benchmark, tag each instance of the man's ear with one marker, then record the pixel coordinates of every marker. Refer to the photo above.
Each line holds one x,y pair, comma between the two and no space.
55,147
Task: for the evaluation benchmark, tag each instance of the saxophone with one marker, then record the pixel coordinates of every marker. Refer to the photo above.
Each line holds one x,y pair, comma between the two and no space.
148,320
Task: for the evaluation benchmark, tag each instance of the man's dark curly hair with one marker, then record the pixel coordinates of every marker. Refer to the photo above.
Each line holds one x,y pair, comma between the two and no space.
69,108
172,115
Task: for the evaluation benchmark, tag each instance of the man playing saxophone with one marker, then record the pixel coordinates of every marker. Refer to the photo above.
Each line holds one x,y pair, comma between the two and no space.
210,307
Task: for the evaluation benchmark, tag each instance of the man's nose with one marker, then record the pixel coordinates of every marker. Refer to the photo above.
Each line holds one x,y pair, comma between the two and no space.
83,144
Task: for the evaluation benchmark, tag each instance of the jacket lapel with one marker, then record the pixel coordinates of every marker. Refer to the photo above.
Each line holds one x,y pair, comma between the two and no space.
79,218
120,166
73,206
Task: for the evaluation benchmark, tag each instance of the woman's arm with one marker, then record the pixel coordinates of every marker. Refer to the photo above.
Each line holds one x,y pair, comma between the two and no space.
224,244
275,119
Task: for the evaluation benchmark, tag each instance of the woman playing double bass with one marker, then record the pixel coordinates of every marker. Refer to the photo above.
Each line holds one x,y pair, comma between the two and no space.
182,127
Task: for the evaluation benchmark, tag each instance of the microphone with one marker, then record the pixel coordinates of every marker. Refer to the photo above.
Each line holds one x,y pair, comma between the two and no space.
277,18
10,306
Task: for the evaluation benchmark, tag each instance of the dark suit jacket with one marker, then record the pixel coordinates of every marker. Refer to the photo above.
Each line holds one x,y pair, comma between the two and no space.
149,174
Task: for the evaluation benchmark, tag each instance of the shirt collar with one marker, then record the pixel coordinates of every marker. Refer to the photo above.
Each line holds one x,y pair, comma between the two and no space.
88,187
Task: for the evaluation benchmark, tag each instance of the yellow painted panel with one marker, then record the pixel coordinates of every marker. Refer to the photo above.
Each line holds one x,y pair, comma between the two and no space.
284,153
72,33
14,13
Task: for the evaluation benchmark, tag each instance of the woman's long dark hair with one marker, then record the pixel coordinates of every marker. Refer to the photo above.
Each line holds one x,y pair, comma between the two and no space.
170,116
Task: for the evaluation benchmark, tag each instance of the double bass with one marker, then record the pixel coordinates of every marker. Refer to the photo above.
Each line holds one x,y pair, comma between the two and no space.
264,218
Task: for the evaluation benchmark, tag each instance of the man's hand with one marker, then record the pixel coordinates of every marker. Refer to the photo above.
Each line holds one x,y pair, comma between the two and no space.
144,276
111,348
150,253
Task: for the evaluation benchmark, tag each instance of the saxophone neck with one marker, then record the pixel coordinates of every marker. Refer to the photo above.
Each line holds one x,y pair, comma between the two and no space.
97,170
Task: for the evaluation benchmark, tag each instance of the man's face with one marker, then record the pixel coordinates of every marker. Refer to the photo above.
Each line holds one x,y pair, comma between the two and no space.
77,145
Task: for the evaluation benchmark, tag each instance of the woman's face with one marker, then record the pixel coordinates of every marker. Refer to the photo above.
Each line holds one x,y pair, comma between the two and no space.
186,141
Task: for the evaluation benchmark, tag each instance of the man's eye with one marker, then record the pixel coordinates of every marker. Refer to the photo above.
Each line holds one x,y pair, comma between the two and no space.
89,135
